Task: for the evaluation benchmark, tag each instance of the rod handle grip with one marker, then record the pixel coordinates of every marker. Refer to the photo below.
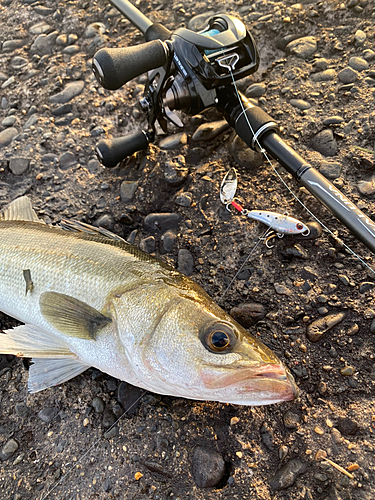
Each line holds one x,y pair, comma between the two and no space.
116,66
111,151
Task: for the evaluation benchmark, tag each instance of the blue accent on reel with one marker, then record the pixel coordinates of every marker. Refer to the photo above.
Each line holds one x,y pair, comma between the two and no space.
212,32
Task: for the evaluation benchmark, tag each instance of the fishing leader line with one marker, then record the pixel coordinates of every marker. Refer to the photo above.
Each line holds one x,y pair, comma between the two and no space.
266,233
263,151
66,474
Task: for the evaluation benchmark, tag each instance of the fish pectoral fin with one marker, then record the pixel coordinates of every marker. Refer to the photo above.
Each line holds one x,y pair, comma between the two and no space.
20,209
71,316
29,341
44,373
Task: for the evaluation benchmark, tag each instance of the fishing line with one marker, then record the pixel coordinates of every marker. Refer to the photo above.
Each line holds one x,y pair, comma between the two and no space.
263,151
267,232
91,448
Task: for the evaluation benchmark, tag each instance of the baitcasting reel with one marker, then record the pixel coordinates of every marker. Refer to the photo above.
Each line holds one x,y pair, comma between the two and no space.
190,68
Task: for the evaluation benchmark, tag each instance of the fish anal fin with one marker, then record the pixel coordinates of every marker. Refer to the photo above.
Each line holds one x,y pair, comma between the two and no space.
20,209
44,373
29,341
71,316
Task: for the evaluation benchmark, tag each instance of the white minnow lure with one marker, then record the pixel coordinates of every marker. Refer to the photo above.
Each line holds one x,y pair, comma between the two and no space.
280,223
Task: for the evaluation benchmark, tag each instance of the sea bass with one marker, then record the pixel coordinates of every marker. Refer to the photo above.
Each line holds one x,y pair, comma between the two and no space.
88,299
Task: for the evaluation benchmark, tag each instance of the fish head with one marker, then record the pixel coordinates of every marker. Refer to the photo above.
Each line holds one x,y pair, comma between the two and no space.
198,351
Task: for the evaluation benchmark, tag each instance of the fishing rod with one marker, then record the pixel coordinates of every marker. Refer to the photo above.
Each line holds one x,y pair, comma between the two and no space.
192,71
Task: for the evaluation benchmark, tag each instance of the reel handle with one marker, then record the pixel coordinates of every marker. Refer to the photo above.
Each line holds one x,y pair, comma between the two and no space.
112,151
115,67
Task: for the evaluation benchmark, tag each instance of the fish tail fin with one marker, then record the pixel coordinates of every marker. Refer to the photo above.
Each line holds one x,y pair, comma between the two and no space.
31,342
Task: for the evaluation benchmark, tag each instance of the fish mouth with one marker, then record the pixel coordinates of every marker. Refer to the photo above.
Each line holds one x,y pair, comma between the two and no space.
263,384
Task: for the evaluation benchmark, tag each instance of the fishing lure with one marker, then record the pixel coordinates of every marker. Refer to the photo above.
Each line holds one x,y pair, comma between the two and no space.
280,223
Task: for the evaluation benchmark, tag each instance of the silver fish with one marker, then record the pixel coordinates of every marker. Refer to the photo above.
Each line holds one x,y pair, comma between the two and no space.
92,300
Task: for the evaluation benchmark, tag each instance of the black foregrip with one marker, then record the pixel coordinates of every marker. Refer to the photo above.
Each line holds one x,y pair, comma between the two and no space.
110,152
114,67
257,120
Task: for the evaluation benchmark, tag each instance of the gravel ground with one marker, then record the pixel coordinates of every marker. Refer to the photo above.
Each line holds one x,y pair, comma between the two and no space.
311,301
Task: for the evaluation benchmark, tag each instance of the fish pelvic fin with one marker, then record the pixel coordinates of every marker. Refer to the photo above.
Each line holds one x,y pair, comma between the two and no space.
71,316
44,373
20,209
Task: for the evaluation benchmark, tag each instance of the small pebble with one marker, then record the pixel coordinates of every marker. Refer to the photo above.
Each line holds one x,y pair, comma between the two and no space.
71,90
300,104
347,426
256,90
127,191
321,326
175,171
168,240
47,414
9,449
358,63
184,199
320,455
208,467
303,47
248,313
7,135
360,37
323,76
287,475
324,142
319,430
148,244
18,166
352,467
348,75
208,131
98,404
283,452
159,223
130,397
173,141
347,371
185,262
331,170
291,420
366,286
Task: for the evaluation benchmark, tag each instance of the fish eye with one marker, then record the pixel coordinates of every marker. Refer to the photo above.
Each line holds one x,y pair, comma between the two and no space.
218,338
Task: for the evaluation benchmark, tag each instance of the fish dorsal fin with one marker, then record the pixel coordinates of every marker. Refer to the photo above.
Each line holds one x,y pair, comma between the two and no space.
20,209
82,227
71,316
